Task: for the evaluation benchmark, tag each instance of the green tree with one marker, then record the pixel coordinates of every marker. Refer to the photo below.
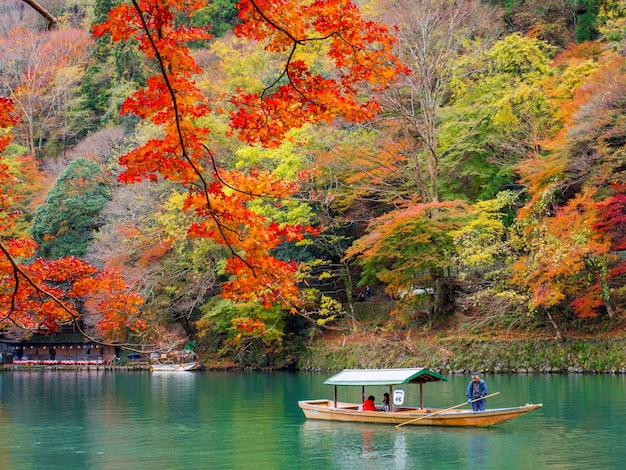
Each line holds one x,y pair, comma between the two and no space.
587,20
64,224
498,115
436,40
220,14
116,71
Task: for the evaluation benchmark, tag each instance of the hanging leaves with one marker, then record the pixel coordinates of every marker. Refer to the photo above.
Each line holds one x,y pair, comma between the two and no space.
362,54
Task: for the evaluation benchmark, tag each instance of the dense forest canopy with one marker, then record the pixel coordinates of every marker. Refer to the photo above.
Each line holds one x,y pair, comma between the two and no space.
237,172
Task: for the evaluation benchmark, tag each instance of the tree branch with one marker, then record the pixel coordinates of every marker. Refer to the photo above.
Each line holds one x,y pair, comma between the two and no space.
43,12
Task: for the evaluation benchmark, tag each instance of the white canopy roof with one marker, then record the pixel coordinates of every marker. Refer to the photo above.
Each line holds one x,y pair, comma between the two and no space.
383,376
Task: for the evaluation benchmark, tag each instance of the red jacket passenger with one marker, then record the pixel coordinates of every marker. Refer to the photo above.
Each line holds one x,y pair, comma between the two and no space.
368,405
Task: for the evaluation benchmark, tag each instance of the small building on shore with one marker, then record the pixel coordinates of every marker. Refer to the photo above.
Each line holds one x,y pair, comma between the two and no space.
64,347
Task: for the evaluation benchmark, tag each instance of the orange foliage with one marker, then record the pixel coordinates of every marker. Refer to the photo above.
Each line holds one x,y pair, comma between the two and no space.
565,258
404,246
369,171
612,217
362,53
7,119
42,295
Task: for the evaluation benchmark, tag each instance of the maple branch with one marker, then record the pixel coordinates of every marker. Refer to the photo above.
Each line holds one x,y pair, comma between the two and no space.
170,88
285,72
42,293
221,227
275,25
298,42
225,183
175,107
16,272
43,12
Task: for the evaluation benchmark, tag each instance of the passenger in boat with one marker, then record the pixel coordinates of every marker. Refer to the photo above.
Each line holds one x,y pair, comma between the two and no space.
385,405
369,405
477,388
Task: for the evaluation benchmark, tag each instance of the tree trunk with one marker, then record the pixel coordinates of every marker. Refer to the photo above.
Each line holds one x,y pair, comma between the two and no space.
557,331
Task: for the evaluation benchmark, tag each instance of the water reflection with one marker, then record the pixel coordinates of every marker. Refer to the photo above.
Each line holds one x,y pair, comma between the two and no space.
478,449
355,445
368,445
400,451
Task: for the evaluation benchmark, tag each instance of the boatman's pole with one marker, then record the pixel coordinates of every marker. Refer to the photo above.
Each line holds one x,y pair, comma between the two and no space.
443,411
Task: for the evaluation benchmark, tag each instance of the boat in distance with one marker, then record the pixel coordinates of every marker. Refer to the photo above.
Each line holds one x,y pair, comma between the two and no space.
333,410
182,367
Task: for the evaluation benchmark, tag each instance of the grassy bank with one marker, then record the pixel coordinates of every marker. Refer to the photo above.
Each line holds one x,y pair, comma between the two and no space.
461,355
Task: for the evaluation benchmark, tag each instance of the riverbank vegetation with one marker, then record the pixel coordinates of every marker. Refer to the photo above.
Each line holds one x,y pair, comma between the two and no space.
430,182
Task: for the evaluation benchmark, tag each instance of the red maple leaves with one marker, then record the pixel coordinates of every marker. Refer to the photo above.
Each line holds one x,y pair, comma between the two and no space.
362,53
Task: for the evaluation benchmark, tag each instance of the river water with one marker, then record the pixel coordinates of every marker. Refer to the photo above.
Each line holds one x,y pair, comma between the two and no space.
249,420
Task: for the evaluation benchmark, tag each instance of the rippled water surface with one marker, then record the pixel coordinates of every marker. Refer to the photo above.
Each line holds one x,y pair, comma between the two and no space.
211,420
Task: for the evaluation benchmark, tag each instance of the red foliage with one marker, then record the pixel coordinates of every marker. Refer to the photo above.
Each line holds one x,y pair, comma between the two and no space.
361,51
565,257
43,294
362,54
612,215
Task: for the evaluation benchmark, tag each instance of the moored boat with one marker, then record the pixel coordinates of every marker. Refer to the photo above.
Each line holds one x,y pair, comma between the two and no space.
333,410
182,367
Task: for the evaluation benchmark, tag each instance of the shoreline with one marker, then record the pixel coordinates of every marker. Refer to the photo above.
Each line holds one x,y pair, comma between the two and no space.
466,355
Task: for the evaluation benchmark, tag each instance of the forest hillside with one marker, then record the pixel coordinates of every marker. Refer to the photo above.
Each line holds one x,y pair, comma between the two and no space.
262,180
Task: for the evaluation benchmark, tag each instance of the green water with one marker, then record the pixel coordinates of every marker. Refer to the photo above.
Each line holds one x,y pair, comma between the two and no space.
211,420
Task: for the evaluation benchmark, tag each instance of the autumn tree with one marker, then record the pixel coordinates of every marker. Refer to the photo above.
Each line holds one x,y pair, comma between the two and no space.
410,248
220,198
27,184
485,251
567,258
41,71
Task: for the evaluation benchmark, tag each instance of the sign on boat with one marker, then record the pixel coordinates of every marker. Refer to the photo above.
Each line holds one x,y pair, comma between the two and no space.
334,410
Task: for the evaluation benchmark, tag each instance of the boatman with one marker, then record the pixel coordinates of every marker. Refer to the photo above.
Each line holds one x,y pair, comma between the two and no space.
477,388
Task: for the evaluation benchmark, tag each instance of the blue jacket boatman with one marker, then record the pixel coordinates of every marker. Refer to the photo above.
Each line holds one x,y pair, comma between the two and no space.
477,388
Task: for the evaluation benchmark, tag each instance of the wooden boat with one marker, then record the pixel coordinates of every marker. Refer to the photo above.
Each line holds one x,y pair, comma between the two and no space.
182,367
333,410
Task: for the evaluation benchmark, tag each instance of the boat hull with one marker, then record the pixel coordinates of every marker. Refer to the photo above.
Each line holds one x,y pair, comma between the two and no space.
183,367
348,412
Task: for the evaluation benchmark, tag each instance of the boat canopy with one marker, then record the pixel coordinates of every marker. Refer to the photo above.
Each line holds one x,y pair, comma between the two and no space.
384,377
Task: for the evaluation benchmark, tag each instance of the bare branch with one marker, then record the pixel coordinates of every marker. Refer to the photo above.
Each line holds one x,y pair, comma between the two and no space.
43,12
